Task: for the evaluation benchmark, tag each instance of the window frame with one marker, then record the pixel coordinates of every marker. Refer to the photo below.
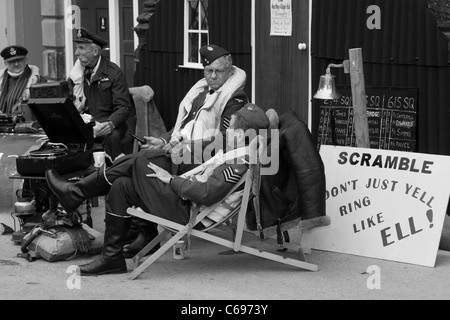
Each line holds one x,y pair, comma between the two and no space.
186,36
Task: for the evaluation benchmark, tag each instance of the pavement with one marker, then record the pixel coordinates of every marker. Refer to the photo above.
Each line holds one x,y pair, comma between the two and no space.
211,272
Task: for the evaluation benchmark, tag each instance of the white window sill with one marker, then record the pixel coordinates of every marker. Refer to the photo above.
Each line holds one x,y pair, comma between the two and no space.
196,66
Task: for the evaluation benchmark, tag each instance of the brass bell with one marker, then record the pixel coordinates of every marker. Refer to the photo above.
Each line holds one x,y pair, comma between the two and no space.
327,88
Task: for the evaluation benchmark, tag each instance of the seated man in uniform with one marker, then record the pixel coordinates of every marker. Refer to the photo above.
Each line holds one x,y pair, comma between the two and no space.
204,112
99,88
16,79
143,184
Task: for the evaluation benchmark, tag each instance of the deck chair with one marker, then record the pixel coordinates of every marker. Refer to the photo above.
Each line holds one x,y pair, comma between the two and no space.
237,215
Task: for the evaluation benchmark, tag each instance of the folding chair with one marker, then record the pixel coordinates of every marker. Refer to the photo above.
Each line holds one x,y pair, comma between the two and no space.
178,231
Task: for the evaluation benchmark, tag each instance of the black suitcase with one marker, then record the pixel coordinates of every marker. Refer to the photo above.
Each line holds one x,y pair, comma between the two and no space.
70,140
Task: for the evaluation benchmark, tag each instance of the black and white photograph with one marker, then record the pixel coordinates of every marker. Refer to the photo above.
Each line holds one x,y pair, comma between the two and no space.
228,157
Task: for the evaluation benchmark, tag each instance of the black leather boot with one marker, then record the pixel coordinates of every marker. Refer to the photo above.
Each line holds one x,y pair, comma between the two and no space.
111,260
134,230
147,232
72,195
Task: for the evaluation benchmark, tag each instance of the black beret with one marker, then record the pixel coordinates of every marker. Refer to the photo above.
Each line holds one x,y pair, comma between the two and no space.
84,36
211,52
255,116
13,53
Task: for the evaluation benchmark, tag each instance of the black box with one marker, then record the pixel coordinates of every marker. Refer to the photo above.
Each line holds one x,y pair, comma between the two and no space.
50,90
69,148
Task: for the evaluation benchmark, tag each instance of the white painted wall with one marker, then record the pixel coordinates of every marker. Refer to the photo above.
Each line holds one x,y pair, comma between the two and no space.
3,27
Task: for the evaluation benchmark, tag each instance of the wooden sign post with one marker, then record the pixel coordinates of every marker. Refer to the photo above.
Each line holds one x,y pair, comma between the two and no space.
359,98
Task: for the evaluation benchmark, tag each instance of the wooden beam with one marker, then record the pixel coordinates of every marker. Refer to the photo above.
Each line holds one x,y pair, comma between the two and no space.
359,98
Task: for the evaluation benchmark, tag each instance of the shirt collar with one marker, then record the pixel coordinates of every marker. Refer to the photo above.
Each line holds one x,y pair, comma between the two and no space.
94,71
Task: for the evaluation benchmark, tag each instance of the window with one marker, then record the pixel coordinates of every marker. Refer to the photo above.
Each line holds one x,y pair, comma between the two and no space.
195,31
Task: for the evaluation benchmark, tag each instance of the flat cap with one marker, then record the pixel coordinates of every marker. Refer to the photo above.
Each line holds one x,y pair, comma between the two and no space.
211,53
84,36
14,52
254,116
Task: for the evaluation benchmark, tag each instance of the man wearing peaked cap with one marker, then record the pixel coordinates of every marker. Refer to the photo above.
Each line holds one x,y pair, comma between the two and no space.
13,52
100,89
84,36
16,79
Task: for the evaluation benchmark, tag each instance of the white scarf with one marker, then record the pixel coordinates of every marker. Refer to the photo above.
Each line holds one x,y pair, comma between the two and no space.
77,75
196,129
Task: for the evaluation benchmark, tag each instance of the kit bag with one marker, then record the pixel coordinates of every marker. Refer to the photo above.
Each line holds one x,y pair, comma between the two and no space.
62,243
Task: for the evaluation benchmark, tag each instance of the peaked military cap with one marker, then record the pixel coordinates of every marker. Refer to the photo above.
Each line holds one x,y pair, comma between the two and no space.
211,53
14,52
84,36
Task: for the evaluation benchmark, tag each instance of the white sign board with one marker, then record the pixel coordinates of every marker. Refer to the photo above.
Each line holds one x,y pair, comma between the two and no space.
383,204
281,18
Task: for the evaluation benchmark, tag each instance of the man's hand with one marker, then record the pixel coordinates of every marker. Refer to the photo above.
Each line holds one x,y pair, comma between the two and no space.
102,129
153,143
160,173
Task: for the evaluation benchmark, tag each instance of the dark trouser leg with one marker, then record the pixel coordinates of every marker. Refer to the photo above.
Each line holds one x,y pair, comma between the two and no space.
72,195
147,230
120,198
113,142
134,230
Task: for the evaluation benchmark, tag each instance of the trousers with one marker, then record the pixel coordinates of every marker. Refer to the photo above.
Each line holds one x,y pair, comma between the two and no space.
131,187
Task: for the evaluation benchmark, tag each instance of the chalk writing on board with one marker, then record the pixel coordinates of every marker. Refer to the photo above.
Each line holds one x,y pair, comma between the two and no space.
391,116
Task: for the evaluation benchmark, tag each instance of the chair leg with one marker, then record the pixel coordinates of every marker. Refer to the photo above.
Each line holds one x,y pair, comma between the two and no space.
170,243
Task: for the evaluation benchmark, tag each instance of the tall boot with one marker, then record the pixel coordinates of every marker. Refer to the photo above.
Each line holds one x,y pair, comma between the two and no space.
111,260
72,195
147,232
134,230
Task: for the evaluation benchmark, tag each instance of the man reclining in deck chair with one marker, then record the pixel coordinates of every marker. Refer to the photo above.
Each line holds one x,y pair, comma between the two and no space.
148,186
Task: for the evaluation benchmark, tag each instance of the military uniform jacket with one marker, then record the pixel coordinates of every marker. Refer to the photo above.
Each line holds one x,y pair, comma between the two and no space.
211,186
108,96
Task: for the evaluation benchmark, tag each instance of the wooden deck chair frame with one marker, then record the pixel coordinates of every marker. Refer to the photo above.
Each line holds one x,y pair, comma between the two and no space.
178,231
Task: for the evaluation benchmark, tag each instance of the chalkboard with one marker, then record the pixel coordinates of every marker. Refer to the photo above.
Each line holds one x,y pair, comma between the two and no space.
391,115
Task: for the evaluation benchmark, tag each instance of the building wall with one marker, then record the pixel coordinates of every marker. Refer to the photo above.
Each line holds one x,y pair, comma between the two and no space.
28,29
3,26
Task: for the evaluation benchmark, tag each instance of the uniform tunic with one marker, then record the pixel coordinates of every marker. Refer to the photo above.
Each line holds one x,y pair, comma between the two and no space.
108,99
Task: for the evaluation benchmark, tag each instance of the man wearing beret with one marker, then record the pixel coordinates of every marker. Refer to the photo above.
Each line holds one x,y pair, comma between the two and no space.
16,79
208,106
100,89
204,113
143,184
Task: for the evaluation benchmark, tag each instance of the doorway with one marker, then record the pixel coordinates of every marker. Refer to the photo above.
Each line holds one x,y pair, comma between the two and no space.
95,18
127,55
282,69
